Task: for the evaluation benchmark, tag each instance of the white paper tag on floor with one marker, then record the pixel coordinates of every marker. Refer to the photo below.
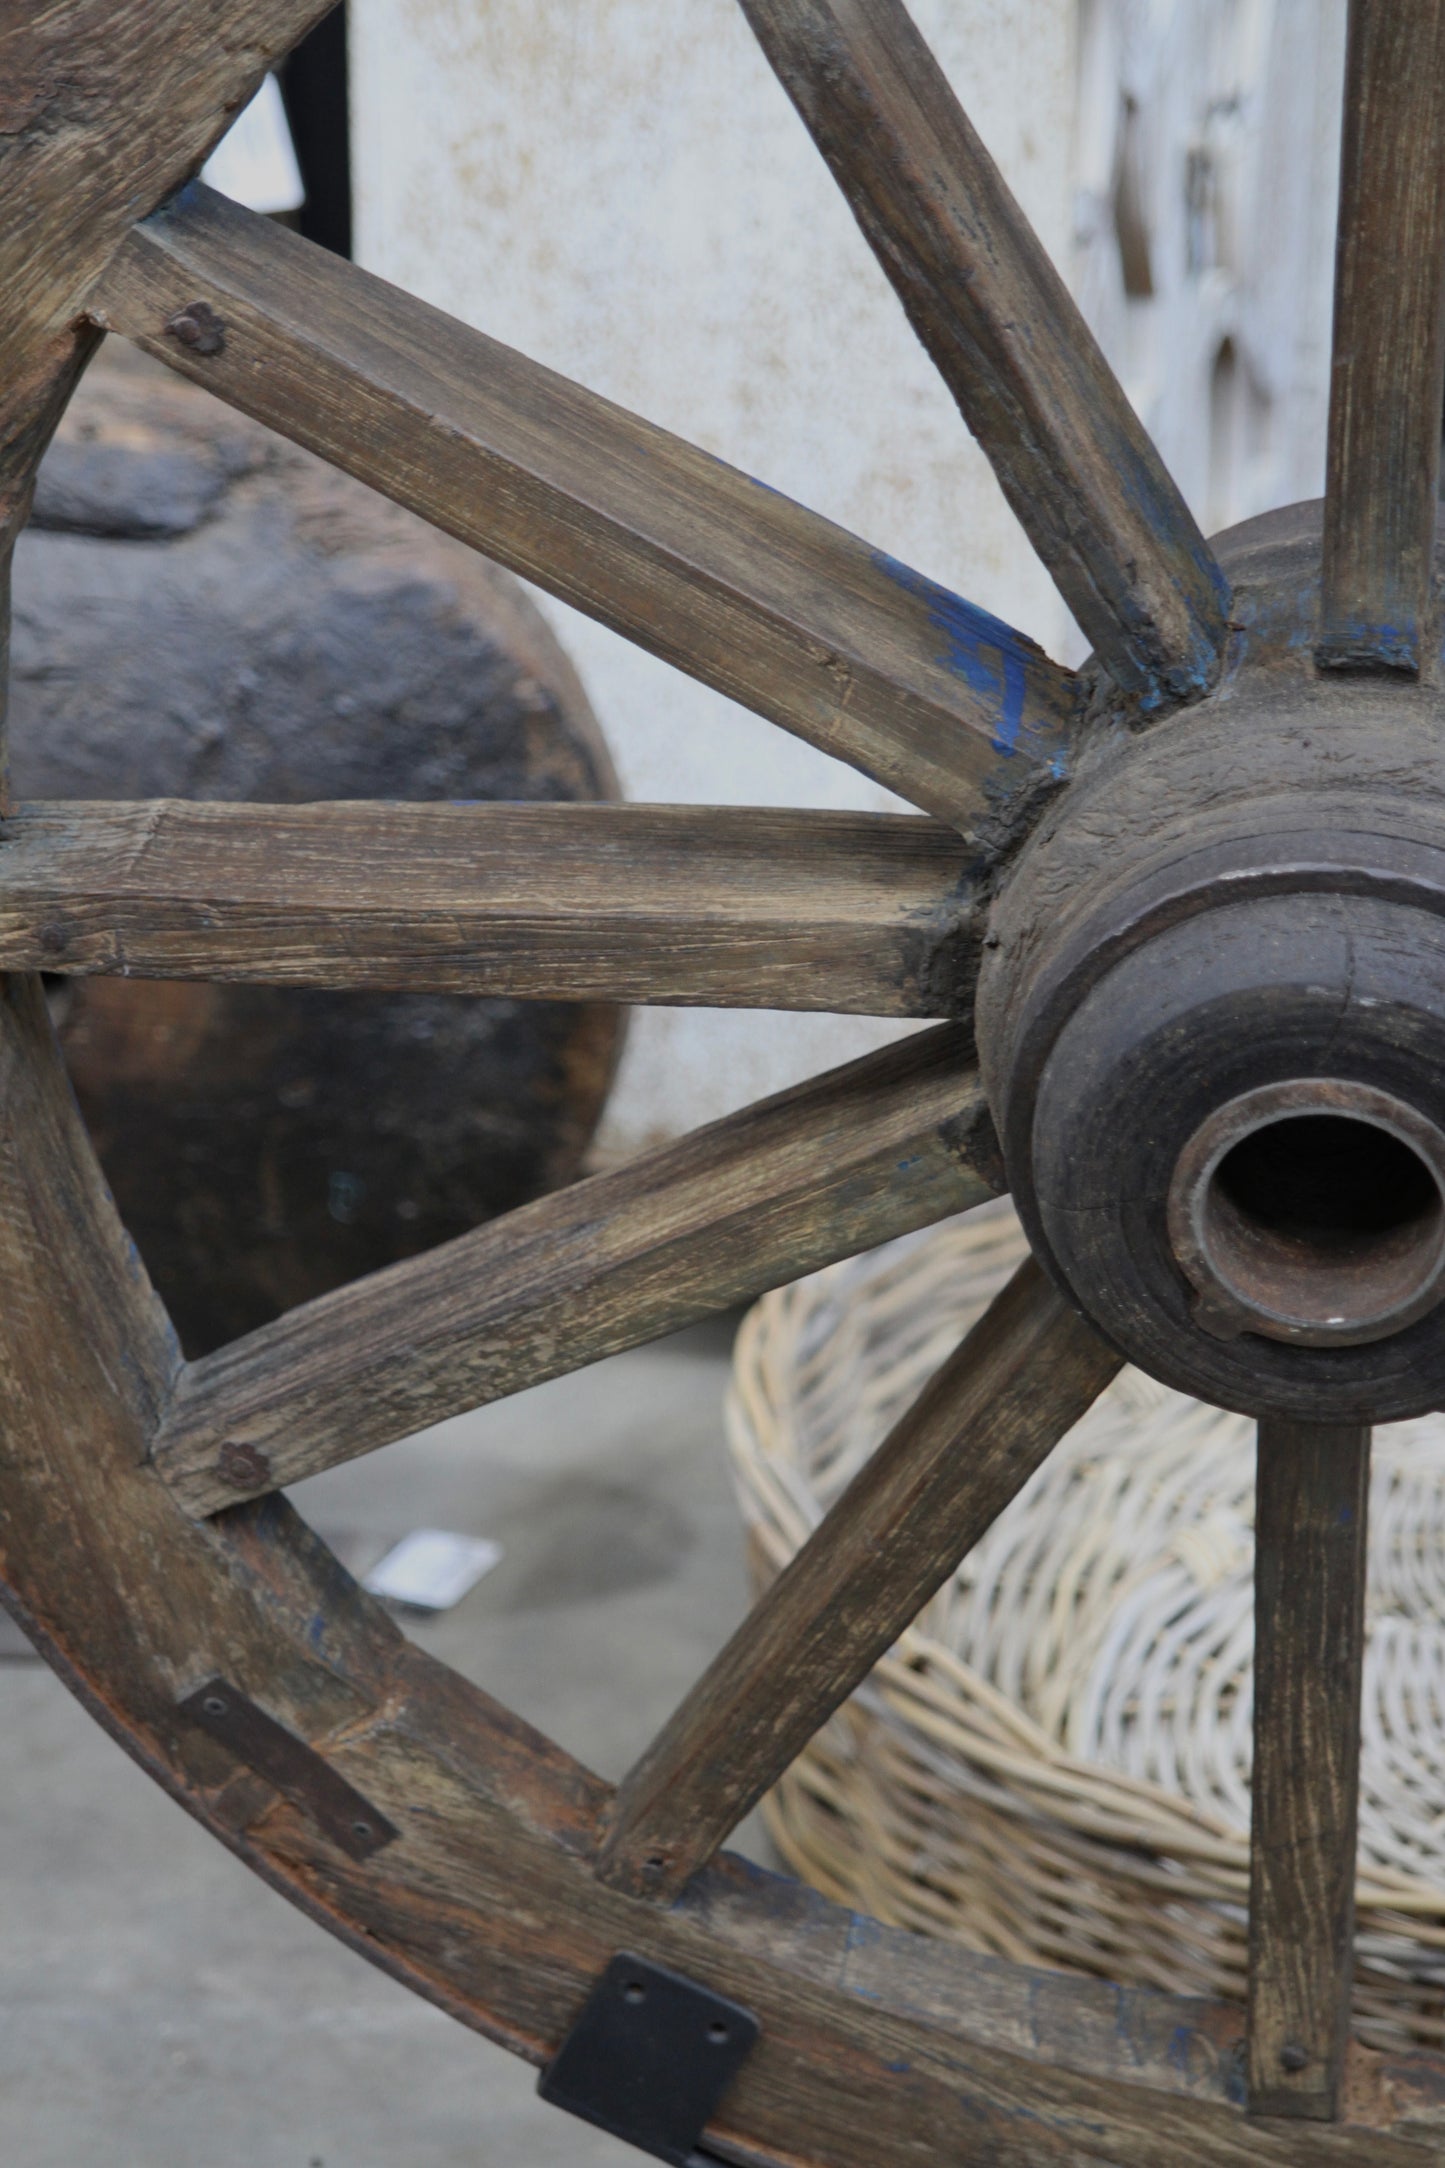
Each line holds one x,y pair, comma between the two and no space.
432,1569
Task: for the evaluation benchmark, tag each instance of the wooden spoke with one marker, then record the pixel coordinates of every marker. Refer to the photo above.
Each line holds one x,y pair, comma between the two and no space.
1025,1374
1073,458
718,575
1388,380
836,1165
749,908
1310,1529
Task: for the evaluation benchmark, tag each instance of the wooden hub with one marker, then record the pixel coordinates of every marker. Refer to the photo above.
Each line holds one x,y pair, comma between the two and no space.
1219,1067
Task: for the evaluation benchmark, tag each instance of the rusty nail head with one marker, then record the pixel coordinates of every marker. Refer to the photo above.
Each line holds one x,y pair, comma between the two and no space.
244,1467
199,327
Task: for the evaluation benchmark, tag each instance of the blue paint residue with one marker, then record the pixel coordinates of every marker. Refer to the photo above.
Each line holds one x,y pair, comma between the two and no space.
990,657
1386,646
1181,2046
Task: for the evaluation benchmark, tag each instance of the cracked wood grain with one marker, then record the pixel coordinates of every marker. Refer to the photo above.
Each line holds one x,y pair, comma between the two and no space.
873,914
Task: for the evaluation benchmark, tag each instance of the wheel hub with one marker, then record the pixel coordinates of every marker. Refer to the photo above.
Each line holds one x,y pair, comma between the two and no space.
1212,1023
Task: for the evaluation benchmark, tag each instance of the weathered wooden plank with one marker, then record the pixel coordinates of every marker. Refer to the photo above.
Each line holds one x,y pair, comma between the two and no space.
724,578
1387,383
1020,1379
875,2052
1310,1528
105,107
741,906
6,560
847,1160
1005,334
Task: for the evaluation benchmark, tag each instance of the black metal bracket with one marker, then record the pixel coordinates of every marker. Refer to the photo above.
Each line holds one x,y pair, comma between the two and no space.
298,1772
649,2058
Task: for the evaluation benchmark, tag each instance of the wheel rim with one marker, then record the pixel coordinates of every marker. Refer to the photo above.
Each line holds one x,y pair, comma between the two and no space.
514,1877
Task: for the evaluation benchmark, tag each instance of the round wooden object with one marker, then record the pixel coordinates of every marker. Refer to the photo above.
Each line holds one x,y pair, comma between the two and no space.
204,611
143,1536
1217,1066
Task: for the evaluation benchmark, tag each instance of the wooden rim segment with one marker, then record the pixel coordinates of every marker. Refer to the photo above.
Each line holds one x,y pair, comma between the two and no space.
107,107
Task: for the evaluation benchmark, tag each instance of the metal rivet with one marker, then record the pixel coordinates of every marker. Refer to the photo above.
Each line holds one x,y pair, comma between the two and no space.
1292,2056
213,1705
634,1992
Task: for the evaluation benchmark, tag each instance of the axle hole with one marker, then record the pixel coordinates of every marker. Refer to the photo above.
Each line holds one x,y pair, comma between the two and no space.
1322,1226
1329,1183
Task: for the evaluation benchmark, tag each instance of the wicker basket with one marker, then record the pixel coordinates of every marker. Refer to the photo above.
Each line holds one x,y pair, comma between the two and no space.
1053,1763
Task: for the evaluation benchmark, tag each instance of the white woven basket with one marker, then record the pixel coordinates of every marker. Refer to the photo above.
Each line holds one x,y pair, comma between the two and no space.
1053,1763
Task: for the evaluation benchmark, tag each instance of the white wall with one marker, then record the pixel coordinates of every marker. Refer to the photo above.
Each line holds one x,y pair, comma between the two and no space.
1221,120
620,188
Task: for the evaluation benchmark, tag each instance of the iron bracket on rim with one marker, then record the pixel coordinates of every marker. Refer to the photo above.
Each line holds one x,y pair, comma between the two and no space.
649,2058
298,1772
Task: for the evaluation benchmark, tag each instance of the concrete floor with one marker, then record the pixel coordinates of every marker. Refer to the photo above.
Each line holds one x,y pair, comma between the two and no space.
159,2008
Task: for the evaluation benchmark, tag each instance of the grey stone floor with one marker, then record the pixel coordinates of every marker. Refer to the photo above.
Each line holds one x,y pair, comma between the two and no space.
159,2008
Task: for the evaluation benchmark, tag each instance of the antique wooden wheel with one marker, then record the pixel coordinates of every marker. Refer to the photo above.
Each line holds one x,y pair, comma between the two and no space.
1199,889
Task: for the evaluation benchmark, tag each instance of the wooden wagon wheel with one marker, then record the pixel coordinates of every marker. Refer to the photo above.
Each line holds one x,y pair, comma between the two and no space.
1204,881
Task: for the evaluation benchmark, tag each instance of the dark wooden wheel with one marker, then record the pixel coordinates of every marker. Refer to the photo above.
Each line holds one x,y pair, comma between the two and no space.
1203,881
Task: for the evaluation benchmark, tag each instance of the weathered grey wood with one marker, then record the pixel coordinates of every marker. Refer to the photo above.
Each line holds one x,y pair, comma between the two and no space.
874,2054
724,578
871,2052
1310,1529
1387,383
1020,1379
740,906
6,561
1005,334
105,107
847,1160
